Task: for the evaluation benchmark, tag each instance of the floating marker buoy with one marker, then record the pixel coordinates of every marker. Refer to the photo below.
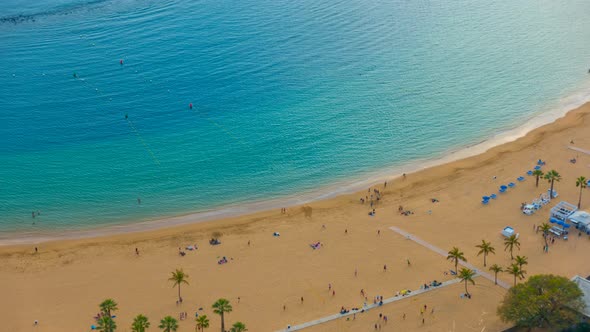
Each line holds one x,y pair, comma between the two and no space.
190,106
75,75
126,116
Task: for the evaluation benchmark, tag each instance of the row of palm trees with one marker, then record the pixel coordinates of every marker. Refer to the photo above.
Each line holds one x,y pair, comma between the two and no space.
485,248
106,323
553,176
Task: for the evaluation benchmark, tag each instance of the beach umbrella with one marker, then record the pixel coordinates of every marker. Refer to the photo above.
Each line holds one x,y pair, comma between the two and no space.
485,198
553,220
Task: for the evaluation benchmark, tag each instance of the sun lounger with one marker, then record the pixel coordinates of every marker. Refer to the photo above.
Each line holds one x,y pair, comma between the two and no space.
537,168
511,184
493,196
529,173
520,178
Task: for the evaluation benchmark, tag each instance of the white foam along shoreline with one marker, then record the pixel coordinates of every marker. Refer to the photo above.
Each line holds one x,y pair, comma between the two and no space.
338,188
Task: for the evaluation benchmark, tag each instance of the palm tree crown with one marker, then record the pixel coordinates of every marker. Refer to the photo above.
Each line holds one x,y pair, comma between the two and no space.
552,176
179,277
466,275
107,306
106,324
202,322
485,248
582,183
510,243
238,327
168,324
220,307
455,255
516,271
140,324
521,260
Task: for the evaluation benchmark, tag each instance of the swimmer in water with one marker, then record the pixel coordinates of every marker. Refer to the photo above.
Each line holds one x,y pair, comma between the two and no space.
126,116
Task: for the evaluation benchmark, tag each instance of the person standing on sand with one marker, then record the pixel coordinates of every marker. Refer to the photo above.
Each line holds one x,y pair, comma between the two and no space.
302,299
36,250
136,251
408,260
384,268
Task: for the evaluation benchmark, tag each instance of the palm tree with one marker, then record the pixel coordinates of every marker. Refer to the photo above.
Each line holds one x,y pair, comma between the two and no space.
485,248
107,306
537,173
179,277
202,322
545,227
582,183
455,255
238,327
521,260
496,269
466,275
140,323
168,324
220,307
552,176
516,271
106,324
510,243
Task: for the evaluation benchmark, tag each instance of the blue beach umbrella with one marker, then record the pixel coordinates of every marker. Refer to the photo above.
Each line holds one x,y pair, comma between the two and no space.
553,220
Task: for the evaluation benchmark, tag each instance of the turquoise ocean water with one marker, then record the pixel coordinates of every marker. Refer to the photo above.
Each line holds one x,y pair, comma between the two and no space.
288,96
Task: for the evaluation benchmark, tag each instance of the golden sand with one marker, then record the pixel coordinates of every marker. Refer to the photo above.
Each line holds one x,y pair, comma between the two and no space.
62,285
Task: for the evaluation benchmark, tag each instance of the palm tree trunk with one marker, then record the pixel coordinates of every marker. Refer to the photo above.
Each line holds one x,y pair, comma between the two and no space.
537,183
515,280
223,322
484,259
456,263
511,256
179,300
466,292
496,278
551,193
580,200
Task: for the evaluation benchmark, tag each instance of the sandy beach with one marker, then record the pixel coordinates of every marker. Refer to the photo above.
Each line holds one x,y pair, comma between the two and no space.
266,276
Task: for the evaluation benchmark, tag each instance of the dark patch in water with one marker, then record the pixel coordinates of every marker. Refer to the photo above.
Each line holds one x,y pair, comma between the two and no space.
64,10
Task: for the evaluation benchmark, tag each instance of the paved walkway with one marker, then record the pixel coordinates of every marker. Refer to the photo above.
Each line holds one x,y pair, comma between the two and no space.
444,254
579,150
367,308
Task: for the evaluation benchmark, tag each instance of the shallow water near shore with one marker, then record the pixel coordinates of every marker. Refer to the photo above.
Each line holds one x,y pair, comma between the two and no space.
287,97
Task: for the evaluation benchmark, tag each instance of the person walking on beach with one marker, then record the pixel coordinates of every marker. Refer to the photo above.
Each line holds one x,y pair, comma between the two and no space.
136,251
36,250
385,268
302,300
355,272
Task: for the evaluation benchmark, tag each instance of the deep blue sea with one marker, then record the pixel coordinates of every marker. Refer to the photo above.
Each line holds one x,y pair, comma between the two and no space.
288,96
